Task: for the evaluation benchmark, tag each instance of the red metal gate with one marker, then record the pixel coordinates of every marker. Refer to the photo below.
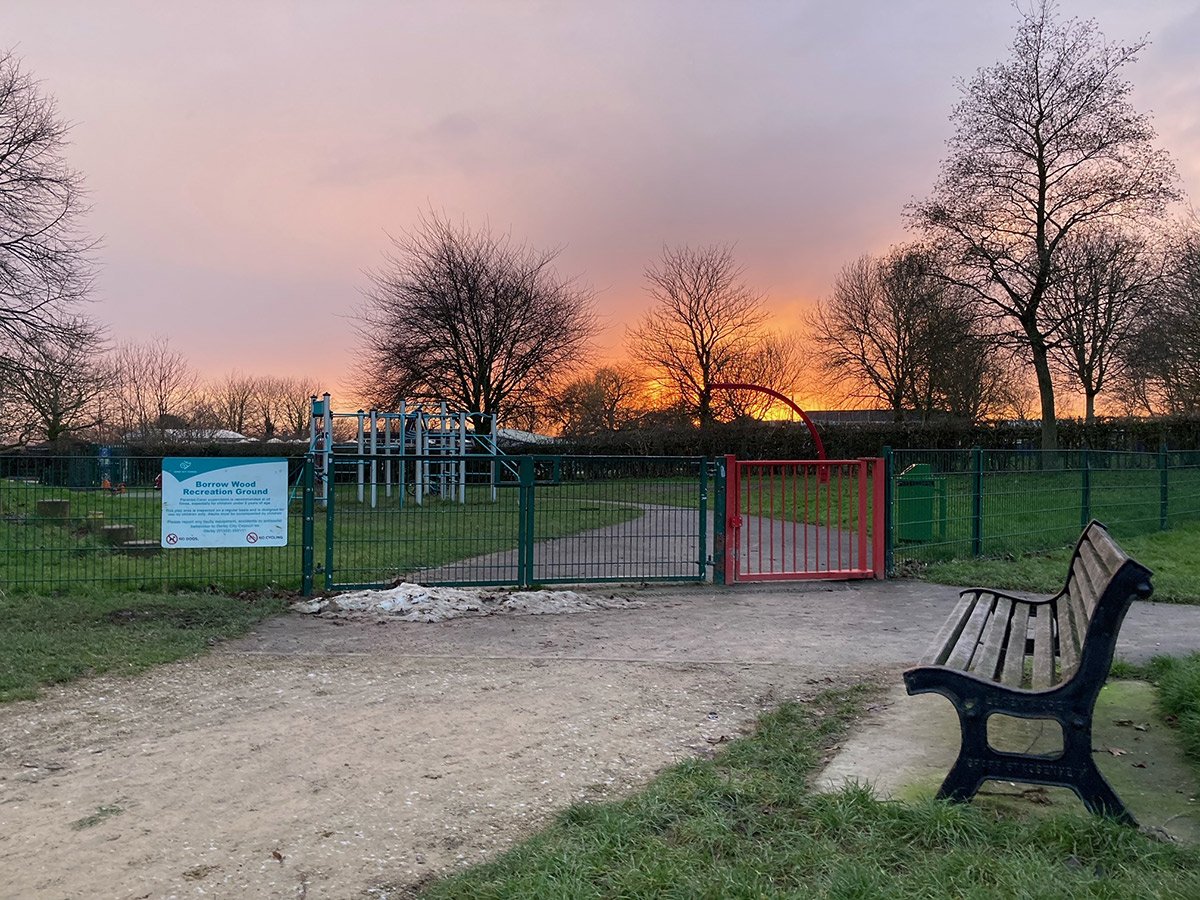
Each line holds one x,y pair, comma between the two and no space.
790,520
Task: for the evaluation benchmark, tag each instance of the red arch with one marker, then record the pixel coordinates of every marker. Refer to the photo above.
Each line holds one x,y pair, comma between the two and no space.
812,429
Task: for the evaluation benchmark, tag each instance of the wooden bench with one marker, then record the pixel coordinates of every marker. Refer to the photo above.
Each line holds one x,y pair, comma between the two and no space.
1035,659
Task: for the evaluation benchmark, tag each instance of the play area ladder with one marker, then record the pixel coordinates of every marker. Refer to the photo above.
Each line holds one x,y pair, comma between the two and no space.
795,520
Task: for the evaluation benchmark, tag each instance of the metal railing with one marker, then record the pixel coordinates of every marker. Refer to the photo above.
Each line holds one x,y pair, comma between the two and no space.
74,522
947,504
89,521
540,520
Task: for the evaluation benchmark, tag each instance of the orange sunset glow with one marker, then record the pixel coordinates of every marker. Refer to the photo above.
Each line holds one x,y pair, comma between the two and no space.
246,162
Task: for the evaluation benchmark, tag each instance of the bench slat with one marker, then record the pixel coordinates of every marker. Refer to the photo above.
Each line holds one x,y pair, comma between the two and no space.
1043,649
964,648
1068,641
1097,567
987,659
1107,549
1087,591
1014,651
1079,613
948,634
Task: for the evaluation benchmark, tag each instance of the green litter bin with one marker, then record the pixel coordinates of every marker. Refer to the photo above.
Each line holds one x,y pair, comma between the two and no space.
915,492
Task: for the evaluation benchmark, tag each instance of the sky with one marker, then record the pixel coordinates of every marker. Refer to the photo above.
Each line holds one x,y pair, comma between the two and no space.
247,161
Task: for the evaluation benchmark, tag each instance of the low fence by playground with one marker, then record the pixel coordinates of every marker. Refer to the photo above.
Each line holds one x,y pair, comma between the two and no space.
88,521
948,504
94,521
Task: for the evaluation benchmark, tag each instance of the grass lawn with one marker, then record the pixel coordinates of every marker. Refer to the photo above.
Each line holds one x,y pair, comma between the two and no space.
46,640
1171,555
746,824
1178,682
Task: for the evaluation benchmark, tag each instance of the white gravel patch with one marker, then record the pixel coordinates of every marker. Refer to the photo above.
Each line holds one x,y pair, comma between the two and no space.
416,603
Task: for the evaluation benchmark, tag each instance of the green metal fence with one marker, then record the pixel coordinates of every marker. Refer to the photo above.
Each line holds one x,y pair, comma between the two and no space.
72,522
522,521
947,504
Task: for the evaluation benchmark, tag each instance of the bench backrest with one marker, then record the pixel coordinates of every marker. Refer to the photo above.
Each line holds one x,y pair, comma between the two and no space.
1102,582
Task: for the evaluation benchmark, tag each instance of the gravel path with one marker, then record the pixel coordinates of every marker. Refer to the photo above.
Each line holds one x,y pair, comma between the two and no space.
327,758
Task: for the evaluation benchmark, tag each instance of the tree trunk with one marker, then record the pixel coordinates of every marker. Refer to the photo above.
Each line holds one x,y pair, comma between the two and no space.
1089,415
1041,365
704,405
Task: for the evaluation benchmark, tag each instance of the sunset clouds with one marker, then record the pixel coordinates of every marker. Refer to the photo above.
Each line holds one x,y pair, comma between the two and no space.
245,160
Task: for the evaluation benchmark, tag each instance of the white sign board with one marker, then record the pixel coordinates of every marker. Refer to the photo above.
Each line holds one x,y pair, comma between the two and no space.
229,502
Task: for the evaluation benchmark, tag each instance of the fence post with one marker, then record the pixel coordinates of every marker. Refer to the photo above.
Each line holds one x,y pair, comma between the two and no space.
887,473
719,475
1085,506
307,540
525,522
703,561
330,502
976,501
1162,487
733,517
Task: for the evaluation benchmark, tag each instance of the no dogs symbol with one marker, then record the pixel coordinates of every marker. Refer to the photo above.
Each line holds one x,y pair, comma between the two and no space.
172,538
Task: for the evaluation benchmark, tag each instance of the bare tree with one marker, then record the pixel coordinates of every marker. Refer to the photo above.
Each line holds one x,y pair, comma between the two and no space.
282,406
775,361
231,400
1160,360
897,332
44,264
606,400
55,385
1045,143
156,388
704,325
1106,284
463,314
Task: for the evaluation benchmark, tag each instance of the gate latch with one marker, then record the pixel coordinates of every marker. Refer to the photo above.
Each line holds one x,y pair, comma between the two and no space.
735,521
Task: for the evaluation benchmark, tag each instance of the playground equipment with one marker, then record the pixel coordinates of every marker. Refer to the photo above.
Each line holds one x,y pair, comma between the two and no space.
434,446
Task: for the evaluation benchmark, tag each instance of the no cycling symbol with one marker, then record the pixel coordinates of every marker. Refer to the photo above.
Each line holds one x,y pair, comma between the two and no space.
252,538
172,538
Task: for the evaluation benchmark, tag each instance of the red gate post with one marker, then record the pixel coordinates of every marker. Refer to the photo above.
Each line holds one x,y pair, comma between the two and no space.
733,518
879,517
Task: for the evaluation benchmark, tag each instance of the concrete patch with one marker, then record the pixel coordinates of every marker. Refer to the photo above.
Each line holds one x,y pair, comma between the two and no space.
905,747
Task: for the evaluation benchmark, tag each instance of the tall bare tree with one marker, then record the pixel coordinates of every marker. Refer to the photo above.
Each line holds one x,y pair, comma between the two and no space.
895,331
44,262
231,398
282,406
1160,360
1045,143
467,315
704,324
1107,283
55,384
156,388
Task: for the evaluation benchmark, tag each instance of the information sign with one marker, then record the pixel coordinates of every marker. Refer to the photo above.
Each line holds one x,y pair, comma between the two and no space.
224,502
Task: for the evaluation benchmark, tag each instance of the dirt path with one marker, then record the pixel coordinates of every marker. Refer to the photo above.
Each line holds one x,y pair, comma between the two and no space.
324,760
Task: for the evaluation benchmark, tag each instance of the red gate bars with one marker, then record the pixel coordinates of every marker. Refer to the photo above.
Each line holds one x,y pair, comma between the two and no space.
790,520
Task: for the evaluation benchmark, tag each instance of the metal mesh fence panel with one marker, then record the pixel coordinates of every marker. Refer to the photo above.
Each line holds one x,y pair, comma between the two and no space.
80,522
950,504
620,519
430,522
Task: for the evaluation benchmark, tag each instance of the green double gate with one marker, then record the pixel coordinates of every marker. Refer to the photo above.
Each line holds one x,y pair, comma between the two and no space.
378,520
